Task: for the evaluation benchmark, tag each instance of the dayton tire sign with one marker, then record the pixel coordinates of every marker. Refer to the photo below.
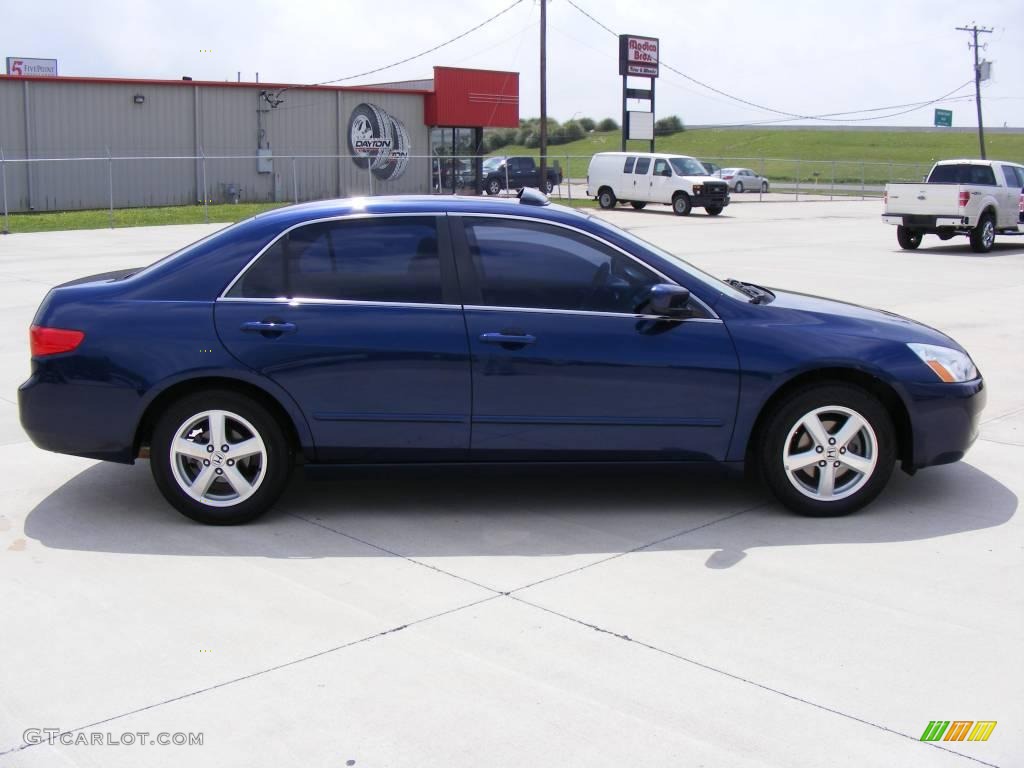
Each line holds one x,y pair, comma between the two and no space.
378,141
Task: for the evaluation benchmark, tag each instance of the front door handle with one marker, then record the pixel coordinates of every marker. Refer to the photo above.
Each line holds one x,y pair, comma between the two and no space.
512,339
268,328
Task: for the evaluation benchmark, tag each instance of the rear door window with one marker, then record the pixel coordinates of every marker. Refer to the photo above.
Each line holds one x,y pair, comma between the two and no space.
643,164
1014,176
382,259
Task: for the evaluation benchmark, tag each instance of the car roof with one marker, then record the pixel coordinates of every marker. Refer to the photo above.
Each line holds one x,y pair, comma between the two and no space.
976,161
655,155
413,204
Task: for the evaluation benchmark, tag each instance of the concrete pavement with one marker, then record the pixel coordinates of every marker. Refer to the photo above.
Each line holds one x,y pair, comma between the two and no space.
561,617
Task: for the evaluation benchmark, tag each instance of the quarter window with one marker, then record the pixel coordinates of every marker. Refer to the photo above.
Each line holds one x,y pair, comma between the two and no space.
375,259
642,165
532,265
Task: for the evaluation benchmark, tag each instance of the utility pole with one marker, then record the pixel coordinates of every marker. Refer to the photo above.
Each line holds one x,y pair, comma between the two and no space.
542,180
975,30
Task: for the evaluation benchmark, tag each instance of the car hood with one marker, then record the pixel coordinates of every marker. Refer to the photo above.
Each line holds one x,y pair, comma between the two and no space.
700,179
854,319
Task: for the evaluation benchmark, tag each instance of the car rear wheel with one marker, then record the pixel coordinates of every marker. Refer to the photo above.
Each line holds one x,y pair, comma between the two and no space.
983,236
827,450
549,186
908,239
739,186
638,205
764,186
493,187
681,204
713,210
220,457
606,198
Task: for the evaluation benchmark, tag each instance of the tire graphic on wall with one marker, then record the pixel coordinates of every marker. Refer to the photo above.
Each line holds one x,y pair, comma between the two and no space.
378,141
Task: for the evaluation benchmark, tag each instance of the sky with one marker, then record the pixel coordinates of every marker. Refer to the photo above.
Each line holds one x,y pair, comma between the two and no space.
807,57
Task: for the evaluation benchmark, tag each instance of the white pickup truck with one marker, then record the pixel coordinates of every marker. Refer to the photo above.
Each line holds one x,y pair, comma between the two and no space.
977,198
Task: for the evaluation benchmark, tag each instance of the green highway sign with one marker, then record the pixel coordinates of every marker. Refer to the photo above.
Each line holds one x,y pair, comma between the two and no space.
943,118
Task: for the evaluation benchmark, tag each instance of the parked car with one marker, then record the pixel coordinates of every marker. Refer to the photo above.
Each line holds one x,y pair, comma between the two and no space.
976,198
447,329
639,178
744,180
711,169
516,173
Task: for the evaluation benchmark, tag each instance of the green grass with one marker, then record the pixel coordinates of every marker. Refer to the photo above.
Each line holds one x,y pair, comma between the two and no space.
854,153
134,217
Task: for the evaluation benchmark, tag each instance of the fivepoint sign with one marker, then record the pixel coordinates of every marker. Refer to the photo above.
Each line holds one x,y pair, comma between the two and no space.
943,118
19,65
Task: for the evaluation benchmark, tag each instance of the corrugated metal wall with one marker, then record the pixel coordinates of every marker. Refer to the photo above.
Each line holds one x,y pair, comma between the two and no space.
88,120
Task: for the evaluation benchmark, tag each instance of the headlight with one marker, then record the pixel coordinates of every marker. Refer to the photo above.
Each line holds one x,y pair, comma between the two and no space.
948,364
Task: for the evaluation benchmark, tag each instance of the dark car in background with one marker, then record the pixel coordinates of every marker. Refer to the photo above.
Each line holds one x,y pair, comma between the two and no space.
447,329
517,173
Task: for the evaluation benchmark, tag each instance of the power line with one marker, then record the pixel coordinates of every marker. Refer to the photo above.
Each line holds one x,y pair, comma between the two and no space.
275,100
828,117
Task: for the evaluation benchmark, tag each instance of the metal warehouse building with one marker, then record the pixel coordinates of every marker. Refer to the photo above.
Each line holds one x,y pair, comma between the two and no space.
77,142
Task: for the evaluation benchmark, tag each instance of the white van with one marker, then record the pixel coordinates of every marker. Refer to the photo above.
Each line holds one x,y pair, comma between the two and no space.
639,178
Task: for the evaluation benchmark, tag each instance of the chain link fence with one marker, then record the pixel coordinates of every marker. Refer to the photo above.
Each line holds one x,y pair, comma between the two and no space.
112,182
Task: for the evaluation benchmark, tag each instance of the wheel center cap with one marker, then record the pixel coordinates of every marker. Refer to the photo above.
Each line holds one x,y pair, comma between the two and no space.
831,453
217,459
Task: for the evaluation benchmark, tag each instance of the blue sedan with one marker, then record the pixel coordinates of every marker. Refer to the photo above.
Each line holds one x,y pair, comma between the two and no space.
446,329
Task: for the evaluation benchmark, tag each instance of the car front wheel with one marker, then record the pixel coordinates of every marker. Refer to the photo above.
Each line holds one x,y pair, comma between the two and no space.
681,204
827,450
219,457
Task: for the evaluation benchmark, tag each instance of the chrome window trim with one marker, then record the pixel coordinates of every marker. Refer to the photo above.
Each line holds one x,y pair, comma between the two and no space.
344,302
641,262
592,313
310,222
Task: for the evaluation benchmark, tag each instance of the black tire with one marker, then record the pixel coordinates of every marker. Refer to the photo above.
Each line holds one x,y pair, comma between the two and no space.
909,239
637,205
549,187
786,417
739,187
606,198
367,121
681,204
493,186
764,187
983,236
278,457
713,210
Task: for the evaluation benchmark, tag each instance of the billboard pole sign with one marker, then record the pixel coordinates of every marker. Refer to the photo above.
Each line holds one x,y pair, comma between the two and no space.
638,57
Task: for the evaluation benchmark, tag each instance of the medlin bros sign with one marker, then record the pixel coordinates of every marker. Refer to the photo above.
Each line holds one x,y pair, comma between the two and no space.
638,56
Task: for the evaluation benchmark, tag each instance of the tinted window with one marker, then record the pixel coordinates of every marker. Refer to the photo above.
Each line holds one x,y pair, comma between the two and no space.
628,167
525,264
962,174
382,259
1014,177
642,164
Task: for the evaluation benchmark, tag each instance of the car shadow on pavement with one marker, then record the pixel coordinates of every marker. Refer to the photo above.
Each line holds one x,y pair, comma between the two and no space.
963,248
518,511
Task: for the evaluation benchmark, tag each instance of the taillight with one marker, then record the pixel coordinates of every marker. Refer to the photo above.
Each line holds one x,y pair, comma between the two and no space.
965,198
885,197
52,341
727,177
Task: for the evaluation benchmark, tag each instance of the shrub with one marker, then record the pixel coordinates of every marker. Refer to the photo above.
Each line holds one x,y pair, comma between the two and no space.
668,125
587,124
607,125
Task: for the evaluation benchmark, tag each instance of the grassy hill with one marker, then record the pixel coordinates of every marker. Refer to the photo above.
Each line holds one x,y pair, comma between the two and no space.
870,153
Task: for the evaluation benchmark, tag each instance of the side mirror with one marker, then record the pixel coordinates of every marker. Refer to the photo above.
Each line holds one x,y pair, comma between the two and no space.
669,300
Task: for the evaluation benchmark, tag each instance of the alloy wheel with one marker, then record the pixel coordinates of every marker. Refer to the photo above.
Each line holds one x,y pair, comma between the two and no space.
830,453
218,458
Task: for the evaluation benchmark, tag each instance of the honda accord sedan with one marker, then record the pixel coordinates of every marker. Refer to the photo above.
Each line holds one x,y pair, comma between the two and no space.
446,329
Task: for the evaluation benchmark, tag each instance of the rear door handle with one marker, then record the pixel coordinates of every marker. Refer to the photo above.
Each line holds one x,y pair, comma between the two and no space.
267,327
507,338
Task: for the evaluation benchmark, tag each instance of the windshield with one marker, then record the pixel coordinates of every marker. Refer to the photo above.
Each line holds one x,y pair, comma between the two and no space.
493,162
700,274
687,166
